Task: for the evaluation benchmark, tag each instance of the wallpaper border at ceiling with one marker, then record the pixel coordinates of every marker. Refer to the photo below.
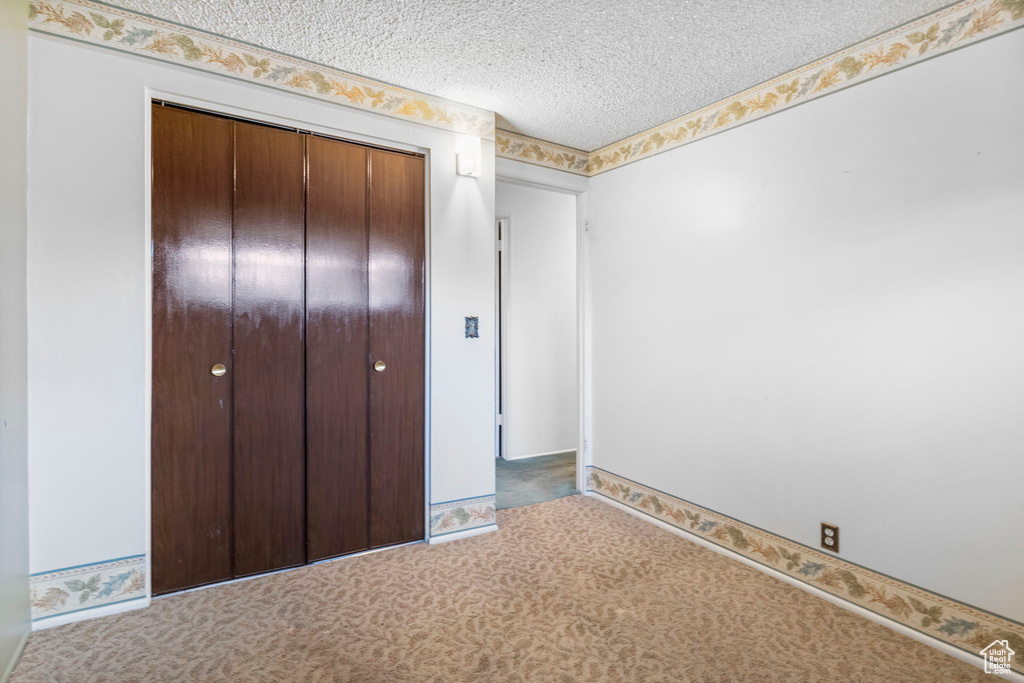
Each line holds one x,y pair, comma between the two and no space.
950,621
942,31
112,27
509,145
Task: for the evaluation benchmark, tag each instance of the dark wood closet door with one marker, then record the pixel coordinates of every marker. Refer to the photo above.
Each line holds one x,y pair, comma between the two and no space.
336,349
269,365
191,439
396,287
296,262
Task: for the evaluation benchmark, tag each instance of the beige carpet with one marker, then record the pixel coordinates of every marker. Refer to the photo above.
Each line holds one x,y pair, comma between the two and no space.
570,590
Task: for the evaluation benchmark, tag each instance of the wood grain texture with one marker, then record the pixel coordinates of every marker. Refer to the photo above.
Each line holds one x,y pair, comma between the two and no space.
296,261
336,349
269,365
397,329
191,438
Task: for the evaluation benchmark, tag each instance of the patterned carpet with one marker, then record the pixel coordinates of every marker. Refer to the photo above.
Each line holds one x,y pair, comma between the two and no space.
570,590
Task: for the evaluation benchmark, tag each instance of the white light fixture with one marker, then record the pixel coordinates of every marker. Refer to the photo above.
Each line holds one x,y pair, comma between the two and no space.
467,156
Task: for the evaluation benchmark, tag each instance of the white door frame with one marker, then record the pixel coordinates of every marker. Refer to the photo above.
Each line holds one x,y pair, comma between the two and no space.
516,173
501,279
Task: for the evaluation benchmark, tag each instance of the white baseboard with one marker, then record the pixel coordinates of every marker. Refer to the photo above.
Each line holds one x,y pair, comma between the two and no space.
9,669
90,613
538,455
974,660
456,535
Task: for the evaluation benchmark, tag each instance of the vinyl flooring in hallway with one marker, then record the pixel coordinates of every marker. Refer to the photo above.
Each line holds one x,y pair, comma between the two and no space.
529,481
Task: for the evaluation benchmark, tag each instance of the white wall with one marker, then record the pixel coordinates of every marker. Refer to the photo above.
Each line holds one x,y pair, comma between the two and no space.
89,289
819,317
14,607
540,363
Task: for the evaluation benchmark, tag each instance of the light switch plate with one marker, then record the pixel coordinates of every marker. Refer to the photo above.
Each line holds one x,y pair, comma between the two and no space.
472,327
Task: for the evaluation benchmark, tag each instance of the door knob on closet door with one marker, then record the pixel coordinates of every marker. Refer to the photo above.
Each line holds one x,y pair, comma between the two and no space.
218,370
379,366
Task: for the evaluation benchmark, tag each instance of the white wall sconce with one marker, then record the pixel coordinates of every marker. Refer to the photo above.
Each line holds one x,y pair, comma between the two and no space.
467,156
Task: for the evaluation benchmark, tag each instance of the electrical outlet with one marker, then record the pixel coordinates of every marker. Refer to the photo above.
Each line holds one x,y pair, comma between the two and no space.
830,537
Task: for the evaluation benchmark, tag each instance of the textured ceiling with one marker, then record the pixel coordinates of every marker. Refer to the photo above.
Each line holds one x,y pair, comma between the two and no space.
582,74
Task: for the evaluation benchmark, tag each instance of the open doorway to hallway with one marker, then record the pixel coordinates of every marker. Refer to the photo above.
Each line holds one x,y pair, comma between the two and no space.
538,401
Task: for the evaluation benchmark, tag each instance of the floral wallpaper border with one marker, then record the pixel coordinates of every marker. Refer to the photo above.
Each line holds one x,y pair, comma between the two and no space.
462,515
519,147
947,29
112,27
72,589
956,623
97,23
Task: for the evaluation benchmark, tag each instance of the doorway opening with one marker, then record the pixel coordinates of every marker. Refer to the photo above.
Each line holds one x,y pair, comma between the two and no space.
538,345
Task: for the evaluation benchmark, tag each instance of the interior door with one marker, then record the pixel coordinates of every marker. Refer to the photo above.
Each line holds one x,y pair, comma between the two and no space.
337,349
397,334
269,360
191,428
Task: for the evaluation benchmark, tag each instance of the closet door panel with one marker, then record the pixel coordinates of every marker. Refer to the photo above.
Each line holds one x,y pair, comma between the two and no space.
269,365
397,328
336,349
191,437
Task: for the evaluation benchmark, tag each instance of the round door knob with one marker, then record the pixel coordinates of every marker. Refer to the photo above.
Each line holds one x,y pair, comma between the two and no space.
379,366
218,370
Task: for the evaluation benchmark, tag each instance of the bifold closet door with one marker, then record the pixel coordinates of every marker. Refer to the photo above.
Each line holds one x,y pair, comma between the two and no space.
337,349
191,428
397,332
285,266
269,366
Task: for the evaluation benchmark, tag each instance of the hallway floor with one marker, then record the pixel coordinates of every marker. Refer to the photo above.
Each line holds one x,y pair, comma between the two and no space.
535,480
570,590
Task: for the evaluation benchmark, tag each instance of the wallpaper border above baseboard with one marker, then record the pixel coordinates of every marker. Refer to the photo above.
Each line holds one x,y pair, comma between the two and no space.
958,624
463,514
112,27
73,589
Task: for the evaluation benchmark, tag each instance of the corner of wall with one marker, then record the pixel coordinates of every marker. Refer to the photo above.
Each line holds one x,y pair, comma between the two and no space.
14,600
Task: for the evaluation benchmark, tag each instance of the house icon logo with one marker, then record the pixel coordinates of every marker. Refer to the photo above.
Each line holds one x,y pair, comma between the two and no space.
997,657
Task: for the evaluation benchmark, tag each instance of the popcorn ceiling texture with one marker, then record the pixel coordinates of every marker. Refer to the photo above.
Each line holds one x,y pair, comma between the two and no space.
580,74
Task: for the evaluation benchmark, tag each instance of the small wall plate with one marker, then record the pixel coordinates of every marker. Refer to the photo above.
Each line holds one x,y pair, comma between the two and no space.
472,327
830,537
